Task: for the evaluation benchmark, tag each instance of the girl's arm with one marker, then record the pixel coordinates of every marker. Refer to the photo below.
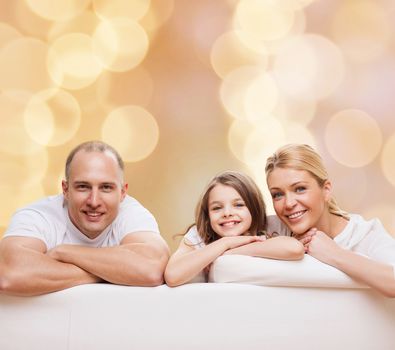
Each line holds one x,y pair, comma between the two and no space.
377,275
281,247
187,261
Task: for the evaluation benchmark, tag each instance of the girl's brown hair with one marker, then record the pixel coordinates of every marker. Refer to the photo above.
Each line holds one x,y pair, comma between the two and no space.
303,157
250,194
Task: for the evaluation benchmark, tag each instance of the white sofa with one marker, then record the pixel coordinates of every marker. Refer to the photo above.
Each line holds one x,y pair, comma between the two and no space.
203,315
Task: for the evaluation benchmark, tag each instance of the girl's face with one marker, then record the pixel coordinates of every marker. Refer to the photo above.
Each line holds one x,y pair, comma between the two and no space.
298,199
229,215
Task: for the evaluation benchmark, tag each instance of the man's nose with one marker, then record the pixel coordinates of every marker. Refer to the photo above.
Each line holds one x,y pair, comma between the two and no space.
94,198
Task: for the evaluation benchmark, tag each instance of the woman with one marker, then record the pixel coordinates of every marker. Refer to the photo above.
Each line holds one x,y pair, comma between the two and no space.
230,219
302,198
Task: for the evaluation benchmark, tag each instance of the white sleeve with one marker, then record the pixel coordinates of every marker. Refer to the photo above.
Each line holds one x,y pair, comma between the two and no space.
133,217
192,236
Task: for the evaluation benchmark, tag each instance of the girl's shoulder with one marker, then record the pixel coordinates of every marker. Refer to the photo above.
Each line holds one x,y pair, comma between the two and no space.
275,227
192,237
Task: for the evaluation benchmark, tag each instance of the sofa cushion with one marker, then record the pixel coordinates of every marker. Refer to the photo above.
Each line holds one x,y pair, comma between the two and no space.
308,272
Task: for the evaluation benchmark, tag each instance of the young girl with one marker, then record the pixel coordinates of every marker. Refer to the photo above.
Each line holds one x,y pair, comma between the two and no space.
230,219
302,199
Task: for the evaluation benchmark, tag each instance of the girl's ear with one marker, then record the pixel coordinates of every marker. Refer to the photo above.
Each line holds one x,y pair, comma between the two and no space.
327,188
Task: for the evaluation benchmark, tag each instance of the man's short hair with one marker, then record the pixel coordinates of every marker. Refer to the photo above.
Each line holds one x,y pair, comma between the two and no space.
92,146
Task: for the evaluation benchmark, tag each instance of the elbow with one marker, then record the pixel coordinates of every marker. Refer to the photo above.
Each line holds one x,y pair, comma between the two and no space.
172,279
8,284
153,277
389,292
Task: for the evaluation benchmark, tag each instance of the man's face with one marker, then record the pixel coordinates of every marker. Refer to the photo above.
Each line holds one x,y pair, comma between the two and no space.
93,191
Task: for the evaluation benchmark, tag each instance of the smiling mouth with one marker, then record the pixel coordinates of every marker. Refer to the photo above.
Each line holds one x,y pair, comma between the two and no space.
296,215
229,223
93,215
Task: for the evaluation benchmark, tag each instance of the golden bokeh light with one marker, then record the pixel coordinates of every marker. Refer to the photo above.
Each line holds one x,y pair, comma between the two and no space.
22,65
265,138
62,11
13,136
320,67
229,53
388,160
367,35
71,62
15,168
234,88
85,23
121,8
353,138
114,89
158,13
298,133
7,34
261,97
237,136
17,197
291,4
112,44
263,20
293,110
52,117
133,131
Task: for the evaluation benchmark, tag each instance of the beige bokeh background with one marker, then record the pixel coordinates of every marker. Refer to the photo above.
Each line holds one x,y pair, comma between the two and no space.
185,89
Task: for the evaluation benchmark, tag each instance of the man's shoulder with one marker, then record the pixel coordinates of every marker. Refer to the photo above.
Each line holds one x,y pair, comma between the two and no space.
48,205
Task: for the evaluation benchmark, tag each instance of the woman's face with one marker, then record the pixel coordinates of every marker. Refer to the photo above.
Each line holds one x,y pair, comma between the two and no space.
298,199
228,213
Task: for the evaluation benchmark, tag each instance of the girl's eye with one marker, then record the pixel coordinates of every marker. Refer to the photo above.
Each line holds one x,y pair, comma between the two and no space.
239,205
215,208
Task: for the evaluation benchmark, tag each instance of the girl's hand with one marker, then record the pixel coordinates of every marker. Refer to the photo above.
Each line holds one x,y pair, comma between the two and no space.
237,241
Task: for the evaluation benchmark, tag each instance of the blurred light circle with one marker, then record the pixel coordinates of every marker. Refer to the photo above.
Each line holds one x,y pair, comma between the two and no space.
237,136
298,133
63,10
309,67
13,136
159,12
115,89
229,53
52,117
71,62
353,138
132,131
289,109
291,4
263,20
261,97
85,23
8,34
367,35
22,65
266,137
121,8
14,197
112,44
24,170
388,160
234,88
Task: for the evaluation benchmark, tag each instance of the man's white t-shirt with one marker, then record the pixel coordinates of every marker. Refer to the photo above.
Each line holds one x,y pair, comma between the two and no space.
48,220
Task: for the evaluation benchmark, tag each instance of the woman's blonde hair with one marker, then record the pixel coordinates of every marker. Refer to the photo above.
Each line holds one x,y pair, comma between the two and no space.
303,157
250,194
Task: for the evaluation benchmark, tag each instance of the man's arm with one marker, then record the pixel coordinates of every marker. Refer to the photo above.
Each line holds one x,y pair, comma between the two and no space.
26,270
140,259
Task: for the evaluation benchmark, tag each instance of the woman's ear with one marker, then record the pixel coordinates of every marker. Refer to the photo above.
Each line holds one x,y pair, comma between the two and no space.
327,188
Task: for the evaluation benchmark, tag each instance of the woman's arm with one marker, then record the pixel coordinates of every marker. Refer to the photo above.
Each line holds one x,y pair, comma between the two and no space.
187,261
377,275
282,248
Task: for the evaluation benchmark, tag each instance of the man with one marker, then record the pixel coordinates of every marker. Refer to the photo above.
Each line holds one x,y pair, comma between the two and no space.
92,232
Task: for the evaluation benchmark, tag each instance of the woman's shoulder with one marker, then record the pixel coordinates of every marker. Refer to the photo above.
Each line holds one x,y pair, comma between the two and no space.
275,227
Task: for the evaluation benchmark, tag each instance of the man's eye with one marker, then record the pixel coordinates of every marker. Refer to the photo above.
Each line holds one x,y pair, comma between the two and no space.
107,188
82,187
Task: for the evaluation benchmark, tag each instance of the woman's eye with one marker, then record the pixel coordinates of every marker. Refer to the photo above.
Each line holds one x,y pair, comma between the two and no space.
300,189
276,195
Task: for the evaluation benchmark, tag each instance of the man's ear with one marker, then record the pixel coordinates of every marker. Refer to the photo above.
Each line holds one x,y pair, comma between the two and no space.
65,187
327,190
124,191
